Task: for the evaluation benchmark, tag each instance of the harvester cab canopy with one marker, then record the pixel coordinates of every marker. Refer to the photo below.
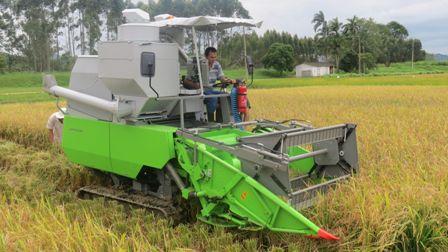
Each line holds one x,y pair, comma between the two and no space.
198,22
205,22
174,25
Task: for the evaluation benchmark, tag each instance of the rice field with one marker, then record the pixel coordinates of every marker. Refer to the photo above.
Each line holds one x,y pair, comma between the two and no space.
397,202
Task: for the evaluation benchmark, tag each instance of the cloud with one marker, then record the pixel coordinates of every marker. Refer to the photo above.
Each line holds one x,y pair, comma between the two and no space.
426,20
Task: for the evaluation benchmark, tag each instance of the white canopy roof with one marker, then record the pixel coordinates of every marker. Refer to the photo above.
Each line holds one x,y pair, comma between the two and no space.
206,22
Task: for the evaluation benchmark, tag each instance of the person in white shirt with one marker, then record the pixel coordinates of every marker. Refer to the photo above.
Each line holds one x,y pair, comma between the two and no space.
54,125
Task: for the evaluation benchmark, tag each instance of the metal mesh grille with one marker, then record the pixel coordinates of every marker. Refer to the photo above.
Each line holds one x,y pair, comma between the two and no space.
313,136
305,198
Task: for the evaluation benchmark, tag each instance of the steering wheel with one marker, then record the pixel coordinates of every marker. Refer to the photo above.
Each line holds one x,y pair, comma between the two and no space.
221,85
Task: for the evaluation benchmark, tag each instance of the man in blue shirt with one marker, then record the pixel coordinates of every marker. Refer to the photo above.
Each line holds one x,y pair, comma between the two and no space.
215,74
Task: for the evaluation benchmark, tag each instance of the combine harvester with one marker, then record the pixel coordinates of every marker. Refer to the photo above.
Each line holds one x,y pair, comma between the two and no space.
129,116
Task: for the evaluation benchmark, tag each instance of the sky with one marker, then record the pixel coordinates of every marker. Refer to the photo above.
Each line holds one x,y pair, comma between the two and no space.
426,20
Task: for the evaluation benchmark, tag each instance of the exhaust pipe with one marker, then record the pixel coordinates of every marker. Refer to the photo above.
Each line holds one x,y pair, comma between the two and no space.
118,108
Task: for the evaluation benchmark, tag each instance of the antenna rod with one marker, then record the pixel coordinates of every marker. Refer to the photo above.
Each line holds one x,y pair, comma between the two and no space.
245,52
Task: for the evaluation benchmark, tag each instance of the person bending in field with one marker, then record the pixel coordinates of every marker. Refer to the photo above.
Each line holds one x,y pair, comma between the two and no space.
54,125
215,73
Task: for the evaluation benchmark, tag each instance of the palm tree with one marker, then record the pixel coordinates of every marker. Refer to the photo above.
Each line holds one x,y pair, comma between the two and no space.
320,25
321,29
352,29
335,41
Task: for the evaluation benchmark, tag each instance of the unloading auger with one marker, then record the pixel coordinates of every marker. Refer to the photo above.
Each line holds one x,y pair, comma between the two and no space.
128,116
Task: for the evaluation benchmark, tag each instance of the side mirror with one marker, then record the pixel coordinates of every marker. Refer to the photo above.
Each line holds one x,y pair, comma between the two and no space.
148,64
250,65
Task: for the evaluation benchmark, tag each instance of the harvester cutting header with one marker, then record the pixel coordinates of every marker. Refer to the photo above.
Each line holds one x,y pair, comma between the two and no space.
130,116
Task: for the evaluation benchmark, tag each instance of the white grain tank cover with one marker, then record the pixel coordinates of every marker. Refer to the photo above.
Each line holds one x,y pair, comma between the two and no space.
135,16
120,69
138,32
137,27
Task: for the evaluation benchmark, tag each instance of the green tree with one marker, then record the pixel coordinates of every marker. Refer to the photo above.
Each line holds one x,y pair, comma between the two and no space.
399,34
3,26
114,16
2,63
397,30
321,28
370,43
223,8
386,44
129,4
352,31
419,53
89,22
180,8
39,22
320,24
336,42
279,57
11,41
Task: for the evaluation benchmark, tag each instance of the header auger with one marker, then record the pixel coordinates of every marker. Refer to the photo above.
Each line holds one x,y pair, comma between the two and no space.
129,116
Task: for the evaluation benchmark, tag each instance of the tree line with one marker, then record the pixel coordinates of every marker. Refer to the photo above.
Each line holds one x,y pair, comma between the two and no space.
46,35
33,31
356,45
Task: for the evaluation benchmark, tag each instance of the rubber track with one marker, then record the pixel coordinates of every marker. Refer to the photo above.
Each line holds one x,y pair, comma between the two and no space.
148,202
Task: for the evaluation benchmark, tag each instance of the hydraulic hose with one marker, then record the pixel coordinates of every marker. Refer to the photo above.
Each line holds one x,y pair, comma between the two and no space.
175,176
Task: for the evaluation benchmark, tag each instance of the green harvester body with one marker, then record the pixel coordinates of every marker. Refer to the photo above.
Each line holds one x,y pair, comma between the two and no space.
227,195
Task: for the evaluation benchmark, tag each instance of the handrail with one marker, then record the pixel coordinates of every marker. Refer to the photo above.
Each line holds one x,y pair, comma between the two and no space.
188,97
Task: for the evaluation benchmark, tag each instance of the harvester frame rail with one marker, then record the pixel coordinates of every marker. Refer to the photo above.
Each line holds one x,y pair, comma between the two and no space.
300,136
237,151
264,149
288,137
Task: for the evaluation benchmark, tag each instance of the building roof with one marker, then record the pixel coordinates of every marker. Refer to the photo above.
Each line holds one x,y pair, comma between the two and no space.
317,64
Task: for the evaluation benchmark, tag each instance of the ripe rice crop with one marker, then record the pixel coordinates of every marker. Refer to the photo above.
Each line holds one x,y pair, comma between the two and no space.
399,198
397,202
26,123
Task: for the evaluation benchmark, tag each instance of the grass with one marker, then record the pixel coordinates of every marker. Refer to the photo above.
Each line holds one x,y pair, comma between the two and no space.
419,67
34,93
30,79
405,80
402,68
395,69
25,87
258,74
23,95
397,202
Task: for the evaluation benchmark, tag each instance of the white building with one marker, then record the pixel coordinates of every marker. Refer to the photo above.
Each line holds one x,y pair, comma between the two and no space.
308,69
